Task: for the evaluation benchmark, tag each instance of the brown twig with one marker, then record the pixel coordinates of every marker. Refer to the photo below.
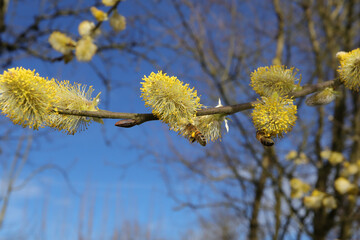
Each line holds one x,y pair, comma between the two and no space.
133,119
99,23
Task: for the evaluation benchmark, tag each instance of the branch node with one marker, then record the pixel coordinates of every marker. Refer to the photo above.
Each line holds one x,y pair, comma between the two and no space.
126,123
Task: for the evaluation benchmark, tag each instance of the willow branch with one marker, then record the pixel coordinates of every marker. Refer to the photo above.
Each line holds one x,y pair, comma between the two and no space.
132,119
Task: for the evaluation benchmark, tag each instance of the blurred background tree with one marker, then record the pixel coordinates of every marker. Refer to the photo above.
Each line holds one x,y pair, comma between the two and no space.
240,188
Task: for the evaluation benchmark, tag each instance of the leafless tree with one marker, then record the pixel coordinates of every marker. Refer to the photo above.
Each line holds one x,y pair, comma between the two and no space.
218,44
215,45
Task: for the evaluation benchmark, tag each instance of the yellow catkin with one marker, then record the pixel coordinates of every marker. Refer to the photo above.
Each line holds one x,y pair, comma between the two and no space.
274,115
61,42
26,98
117,22
314,201
349,69
170,100
98,14
75,97
85,49
85,28
298,188
323,97
267,80
343,186
211,125
336,158
110,3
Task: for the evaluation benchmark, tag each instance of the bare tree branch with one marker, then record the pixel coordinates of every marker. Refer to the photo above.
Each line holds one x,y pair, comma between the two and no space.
42,169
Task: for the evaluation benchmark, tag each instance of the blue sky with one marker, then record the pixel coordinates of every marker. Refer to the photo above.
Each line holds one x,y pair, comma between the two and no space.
120,175
121,167
109,168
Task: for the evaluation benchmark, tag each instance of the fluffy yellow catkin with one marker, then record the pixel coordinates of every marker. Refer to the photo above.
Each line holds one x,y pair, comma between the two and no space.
170,100
349,69
274,115
343,186
267,80
61,42
85,28
32,101
98,14
73,97
85,49
26,98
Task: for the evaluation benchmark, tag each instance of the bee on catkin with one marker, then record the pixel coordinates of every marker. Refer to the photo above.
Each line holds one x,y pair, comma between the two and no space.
264,139
195,134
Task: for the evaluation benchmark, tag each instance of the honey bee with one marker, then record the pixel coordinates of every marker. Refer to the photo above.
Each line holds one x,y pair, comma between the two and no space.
265,140
195,135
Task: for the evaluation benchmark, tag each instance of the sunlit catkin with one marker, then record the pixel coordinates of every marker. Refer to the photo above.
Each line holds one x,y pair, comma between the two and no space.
61,42
349,69
267,80
98,14
274,115
343,186
171,101
26,98
298,188
74,97
85,49
86,28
